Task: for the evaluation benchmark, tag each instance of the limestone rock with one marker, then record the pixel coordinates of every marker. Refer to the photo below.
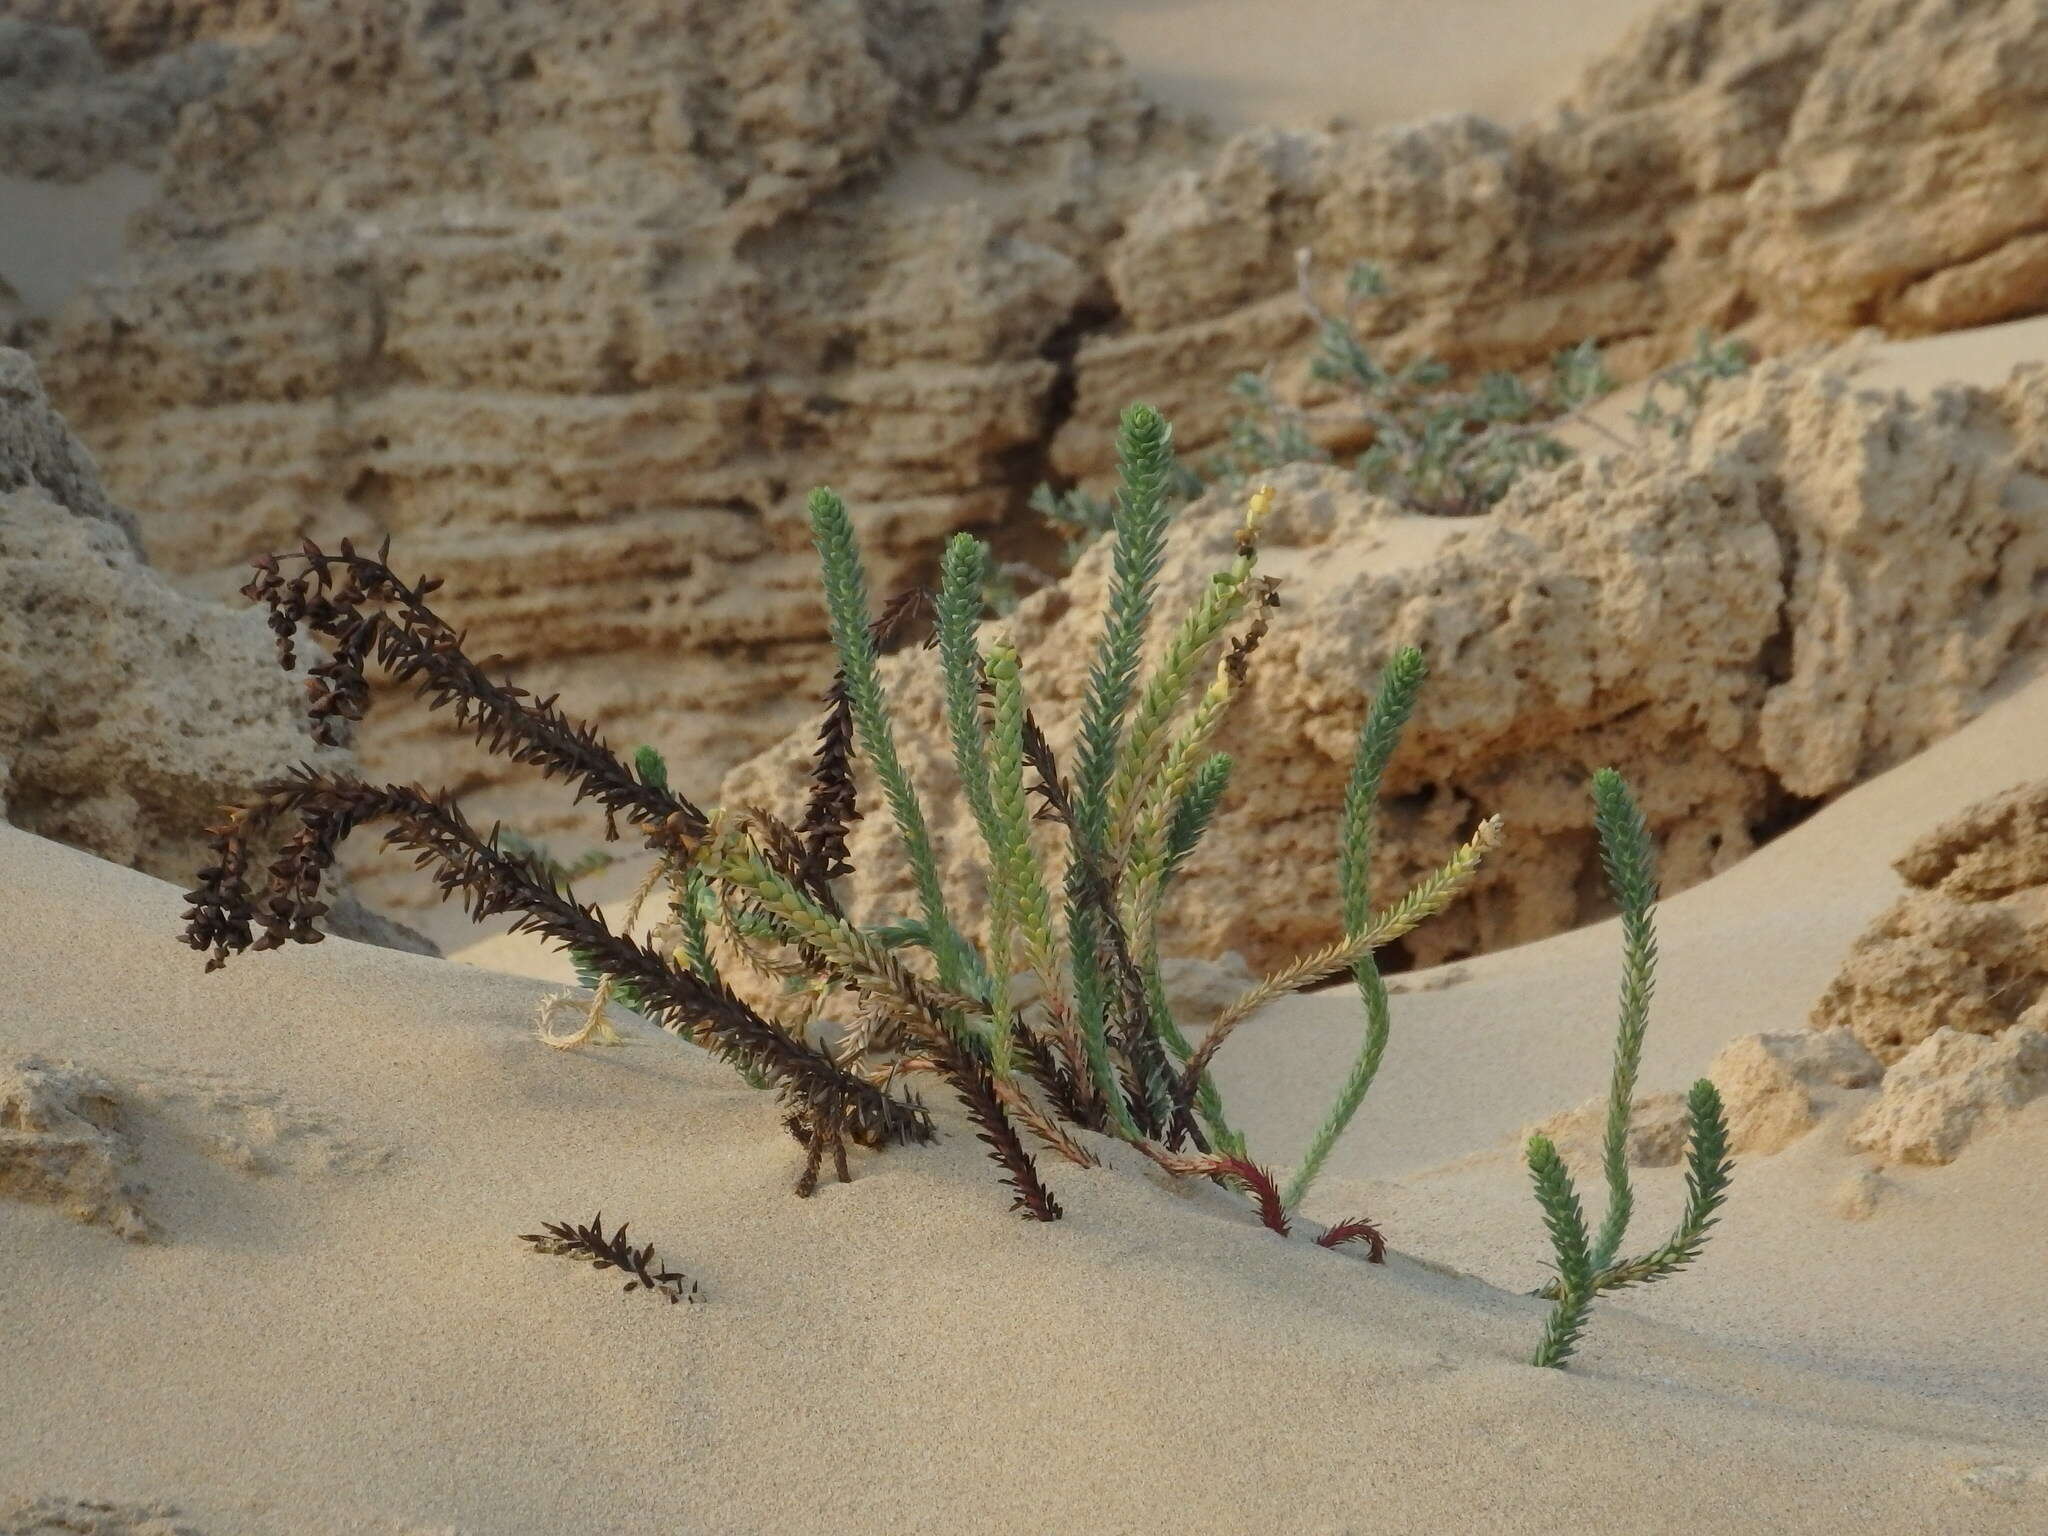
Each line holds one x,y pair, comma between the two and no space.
1900,166
72,111
1966,948
1952,1088
1657,1128
62,1143
1794,170
1950,984
129,713
1774,1086
1816,585
578,304
1995,849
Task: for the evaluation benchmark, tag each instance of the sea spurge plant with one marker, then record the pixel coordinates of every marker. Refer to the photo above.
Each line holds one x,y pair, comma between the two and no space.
1586,1266
1076,885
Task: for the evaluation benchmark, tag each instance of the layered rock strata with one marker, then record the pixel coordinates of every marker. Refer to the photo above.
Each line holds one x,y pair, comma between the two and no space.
1790,169
577,306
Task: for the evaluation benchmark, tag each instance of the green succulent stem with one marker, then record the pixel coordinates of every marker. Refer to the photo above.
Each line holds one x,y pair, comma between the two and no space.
1567,1224
1145,465
846,604
1195,810
1377,738
1009,834
1709,1169
692,892
1626,851
963,576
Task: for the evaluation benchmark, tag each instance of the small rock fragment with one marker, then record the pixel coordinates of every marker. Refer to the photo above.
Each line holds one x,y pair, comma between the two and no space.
1768,1083
1657,1129
1856,1197
61,1143
1950,1089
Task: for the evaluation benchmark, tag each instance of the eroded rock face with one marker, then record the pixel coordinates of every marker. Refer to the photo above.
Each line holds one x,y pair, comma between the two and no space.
38,454
1820,583
1792,168
1966,948
129,712
75,105
578,303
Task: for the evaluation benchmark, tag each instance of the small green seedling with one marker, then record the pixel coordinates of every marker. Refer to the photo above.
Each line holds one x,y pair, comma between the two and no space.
1588,1266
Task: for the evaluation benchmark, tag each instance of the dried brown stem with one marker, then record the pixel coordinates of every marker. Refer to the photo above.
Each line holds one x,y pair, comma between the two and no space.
833,805
349,598
590,1244
329,806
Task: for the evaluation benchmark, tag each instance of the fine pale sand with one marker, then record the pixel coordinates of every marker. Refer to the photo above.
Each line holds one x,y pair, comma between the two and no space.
337,1330
1373,61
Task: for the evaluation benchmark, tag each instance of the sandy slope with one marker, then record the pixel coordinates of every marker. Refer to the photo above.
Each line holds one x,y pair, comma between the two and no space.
1936,1286
1299,63
351,1339
338,1332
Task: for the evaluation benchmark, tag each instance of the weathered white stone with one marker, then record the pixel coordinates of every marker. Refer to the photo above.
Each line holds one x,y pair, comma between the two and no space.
1950,1089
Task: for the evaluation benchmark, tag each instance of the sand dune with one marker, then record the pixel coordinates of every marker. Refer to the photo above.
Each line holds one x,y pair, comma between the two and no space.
339,1145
